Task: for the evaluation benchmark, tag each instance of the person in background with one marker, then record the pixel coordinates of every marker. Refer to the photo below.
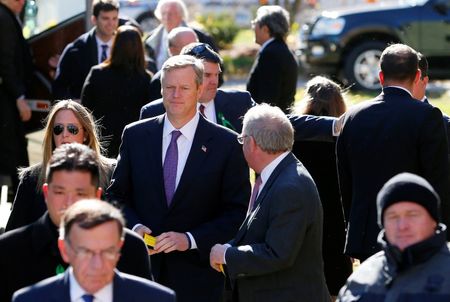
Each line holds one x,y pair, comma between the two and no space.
273,77
116,89
16,68
277,253
414,263
91,236
171,14
177,39
323,97
89,49
67,122
30,254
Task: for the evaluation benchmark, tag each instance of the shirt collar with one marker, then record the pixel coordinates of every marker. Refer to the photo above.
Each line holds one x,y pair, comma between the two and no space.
206,104
100,42
105,294
265,44
267,171
188,130
402,88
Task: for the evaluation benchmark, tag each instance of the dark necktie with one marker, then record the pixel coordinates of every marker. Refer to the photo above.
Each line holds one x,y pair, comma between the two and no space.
170,166
252,204
202,110
104,52
87,298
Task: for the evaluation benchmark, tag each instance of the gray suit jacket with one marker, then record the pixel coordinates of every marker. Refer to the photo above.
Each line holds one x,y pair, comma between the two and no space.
125,288
276,254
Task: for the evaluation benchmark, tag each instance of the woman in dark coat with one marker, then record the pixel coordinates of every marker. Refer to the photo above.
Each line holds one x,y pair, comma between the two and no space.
67,122
116,90
324,98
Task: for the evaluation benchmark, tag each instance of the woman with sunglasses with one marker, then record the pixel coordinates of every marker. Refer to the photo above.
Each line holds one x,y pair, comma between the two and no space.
67,122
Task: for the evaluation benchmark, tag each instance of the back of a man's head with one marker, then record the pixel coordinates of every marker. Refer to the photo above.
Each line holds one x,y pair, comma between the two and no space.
202,51
270,128
74,157
399,63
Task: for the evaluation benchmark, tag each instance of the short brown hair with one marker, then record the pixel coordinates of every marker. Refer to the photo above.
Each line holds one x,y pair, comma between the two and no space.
104,5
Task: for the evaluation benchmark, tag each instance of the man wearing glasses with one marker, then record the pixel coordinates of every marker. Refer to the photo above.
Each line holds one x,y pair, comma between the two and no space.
30,254
91,237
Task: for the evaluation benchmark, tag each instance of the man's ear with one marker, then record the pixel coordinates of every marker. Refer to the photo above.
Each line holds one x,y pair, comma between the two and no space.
381,77
62,246
99,192
45,191
94,20
417,76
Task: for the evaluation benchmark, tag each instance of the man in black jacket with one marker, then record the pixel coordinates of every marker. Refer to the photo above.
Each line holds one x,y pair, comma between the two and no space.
273,78
88,50
15,70
30,254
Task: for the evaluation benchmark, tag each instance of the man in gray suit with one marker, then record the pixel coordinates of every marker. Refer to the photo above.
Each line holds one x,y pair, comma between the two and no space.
276,254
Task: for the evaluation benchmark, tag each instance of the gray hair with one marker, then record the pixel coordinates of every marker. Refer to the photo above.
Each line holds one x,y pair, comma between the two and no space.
275,18
182,61
88,214
182,9
270,128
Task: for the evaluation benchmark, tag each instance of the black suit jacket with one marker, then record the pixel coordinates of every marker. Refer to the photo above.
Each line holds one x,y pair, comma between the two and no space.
390,134
15,71
125,288
230,106
210,201
115,97
74,65
276,255
30,254
273,78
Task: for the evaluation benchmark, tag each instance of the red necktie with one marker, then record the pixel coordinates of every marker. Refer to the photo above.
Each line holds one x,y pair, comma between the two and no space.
202,110
251,205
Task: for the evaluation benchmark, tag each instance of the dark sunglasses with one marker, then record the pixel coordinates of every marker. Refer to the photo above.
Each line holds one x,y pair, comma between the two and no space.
58,129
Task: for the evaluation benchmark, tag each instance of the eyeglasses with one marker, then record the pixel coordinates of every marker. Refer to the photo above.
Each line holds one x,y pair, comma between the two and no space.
59,128
85,254
241,138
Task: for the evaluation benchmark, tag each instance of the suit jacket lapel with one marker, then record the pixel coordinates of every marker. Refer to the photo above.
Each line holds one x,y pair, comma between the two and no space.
289,159
154,142
197,155
119,292
93,51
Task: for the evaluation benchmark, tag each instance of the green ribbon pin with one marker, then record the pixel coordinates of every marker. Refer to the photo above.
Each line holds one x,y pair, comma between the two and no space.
225,122
59,269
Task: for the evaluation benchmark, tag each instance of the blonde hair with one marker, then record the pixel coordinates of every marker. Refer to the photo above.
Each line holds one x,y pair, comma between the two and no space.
91,132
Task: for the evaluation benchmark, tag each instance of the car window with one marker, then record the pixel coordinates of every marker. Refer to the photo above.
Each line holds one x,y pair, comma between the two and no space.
41,15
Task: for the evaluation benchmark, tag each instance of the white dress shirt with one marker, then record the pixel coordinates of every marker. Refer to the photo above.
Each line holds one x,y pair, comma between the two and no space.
105,294
210,111
100,49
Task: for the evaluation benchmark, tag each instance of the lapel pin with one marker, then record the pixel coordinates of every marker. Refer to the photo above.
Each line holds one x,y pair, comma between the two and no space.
204,148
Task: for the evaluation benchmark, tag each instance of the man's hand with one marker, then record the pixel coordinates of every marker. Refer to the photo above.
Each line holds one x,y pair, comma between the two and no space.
338,125
217,256
141,230
171,241
24,109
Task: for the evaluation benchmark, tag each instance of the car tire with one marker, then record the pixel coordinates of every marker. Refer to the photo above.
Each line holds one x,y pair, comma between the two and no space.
148,21
362,65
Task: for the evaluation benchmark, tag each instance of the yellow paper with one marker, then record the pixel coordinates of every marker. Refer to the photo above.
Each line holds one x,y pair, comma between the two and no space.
149,240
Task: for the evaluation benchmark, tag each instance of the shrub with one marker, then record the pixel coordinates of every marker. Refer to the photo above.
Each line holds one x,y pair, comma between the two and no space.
221,26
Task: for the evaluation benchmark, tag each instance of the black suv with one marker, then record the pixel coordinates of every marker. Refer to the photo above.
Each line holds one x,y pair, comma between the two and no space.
347,44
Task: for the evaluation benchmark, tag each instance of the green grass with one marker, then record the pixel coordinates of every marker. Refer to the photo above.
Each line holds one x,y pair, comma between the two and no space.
244,37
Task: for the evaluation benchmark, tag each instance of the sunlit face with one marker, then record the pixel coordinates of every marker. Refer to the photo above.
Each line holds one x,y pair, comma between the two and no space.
180,93
210,81
14,5
107,23
66,188
93,254
171,16
407,223
66,117
259,34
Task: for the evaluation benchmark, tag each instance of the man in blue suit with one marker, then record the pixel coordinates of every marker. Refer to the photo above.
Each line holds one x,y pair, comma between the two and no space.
183,179
224,107
390,134
91,237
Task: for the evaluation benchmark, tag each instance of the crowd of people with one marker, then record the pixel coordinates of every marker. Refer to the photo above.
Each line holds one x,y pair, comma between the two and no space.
144,191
